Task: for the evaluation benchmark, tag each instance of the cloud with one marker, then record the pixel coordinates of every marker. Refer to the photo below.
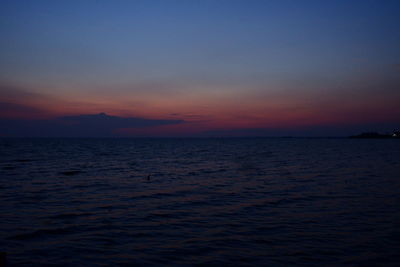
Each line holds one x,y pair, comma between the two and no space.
15,110
20,102
92,125
16,92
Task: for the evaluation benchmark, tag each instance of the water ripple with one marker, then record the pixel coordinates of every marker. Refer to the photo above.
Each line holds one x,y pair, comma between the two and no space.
268,202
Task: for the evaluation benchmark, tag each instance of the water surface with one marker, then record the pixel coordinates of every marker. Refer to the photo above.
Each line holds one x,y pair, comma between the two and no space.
275,202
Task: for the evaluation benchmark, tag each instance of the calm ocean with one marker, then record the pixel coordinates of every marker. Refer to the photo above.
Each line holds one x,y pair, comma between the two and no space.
260,201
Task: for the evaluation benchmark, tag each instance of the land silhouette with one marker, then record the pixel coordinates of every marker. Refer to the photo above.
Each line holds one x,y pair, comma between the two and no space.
394,135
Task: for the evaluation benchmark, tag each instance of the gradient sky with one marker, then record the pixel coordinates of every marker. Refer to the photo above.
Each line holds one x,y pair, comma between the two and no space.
204,67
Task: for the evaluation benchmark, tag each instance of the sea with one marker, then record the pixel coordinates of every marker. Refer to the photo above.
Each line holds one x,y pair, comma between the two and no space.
200,202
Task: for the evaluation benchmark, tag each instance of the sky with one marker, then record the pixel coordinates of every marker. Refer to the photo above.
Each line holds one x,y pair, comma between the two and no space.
199,68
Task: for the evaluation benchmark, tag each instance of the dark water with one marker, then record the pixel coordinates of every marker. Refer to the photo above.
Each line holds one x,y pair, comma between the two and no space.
274,202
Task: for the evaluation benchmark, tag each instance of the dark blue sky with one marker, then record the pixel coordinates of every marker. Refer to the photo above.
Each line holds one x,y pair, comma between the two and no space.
239,64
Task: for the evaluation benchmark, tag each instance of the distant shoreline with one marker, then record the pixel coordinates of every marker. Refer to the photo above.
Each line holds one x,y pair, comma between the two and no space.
374,135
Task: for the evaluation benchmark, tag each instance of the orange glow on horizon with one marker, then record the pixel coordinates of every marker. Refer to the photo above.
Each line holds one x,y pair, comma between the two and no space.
202,113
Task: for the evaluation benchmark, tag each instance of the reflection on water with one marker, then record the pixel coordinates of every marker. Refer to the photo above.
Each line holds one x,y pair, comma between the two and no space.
277,202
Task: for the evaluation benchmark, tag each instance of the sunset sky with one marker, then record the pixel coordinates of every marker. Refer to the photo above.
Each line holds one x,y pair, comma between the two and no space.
199,68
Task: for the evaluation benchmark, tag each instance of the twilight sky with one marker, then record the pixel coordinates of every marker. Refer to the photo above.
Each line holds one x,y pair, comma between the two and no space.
199,68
